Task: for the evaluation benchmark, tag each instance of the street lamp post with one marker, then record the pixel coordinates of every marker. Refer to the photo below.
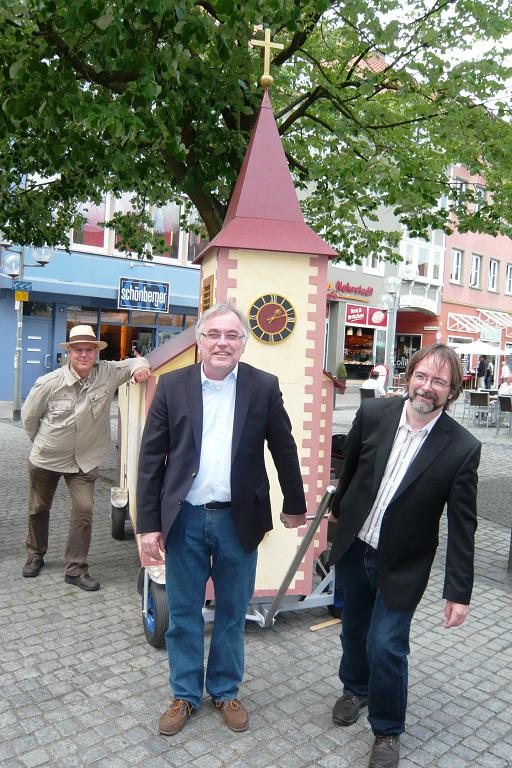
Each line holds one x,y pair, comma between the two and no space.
14,264
390,301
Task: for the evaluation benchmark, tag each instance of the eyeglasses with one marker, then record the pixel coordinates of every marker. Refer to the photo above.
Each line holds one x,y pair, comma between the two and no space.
230,336
436,383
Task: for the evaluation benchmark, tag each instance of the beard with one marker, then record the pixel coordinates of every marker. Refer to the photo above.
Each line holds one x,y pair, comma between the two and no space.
422,406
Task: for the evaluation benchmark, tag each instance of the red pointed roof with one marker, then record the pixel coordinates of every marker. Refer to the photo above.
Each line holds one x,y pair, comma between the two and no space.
264,213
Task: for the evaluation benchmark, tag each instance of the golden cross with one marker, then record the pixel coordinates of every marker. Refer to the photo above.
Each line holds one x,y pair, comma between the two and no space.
266,79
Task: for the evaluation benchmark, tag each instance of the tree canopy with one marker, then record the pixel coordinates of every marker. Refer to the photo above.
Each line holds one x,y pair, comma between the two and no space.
374,100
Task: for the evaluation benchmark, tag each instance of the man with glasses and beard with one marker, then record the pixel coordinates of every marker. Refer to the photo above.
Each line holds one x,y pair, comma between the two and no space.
404,461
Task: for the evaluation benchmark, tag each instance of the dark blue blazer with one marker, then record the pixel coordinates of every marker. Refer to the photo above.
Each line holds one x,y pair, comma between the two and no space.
171,449
444,472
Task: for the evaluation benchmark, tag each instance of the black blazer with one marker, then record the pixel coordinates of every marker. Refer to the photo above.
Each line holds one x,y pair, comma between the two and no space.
171,449
443,472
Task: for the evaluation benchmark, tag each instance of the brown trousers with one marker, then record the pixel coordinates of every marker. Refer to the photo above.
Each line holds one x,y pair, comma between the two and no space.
43,484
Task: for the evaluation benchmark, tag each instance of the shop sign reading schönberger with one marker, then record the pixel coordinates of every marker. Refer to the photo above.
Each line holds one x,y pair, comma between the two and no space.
371,317
143,295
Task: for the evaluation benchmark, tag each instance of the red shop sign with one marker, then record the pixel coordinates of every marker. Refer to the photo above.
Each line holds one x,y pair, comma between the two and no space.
355,314
377,318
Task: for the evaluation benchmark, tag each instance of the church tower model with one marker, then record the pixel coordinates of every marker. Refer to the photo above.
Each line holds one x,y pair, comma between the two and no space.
273,267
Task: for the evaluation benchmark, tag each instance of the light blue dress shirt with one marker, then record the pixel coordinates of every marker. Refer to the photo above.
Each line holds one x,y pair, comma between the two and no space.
213,481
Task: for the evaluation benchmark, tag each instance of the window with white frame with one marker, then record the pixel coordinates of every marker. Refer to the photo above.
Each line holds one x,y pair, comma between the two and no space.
425,258
166,223
373,265
461,187
456,266
90,235
492,282
476,271
508,279
480,197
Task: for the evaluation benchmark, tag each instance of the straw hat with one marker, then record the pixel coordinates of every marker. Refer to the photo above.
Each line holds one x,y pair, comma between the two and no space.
80,334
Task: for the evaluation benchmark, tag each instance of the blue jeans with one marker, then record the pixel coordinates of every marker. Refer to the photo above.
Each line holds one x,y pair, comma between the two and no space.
375,642
200,544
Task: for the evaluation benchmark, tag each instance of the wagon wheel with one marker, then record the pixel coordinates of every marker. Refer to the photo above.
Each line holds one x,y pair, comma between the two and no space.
156,620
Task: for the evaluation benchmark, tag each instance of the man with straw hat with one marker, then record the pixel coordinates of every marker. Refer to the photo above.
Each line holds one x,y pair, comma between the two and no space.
67,417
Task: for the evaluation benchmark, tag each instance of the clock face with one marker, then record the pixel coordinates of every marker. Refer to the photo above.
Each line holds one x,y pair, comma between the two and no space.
271,318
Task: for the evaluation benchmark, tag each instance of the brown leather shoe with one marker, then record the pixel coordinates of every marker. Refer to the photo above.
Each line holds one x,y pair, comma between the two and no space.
33,566
385,752
84,581
234,714
175,717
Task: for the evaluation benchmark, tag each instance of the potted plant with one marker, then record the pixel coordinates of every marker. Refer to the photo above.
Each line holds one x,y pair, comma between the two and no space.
341,377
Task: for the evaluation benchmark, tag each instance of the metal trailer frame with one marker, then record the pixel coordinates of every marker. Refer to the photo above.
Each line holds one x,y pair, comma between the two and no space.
263,610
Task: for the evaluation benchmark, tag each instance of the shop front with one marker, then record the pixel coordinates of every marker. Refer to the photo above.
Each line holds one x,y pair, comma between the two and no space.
78,289
365,339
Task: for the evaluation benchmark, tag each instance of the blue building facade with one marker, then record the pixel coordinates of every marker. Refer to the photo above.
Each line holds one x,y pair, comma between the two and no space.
83,288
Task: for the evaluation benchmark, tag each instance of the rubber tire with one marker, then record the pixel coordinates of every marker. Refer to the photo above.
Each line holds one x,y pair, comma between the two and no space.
118,521
156,622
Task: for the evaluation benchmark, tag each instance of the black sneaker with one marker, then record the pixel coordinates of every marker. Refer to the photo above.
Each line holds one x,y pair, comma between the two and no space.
347,708
33,566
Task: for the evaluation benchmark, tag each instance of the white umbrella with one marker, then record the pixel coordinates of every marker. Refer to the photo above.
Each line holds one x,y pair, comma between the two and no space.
478,348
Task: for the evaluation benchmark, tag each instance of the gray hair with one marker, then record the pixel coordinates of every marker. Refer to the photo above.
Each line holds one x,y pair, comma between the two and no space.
223,308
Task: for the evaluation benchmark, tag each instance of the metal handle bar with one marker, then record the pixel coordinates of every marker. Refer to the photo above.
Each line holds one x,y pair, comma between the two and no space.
324,505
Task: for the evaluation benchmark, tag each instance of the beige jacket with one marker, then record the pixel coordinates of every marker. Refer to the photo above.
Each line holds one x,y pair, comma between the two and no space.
68,419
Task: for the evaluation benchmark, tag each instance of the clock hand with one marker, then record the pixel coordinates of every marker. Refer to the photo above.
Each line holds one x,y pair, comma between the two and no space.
278,313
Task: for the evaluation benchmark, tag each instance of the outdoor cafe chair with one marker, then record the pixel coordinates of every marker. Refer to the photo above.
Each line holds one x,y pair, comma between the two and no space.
480,409
504,413
466,407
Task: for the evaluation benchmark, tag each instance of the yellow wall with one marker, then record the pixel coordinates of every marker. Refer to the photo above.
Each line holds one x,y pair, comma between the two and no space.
287,274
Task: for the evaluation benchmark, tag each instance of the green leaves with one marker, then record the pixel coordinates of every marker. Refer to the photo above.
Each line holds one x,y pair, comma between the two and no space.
159,98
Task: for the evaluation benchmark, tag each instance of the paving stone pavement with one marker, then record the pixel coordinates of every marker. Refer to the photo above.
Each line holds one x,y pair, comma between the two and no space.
80,686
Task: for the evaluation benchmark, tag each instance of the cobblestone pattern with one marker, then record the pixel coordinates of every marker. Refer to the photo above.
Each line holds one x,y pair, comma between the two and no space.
79,685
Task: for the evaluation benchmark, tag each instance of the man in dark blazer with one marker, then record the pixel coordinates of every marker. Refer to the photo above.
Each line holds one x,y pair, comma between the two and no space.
405,459
203,497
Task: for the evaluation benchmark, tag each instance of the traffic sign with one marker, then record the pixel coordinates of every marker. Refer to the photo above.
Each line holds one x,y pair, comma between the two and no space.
21,295
21,285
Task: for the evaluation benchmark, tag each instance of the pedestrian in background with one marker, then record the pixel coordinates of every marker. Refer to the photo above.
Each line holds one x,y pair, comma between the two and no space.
404,461
67,417
489,375
374,383
203,497
480,372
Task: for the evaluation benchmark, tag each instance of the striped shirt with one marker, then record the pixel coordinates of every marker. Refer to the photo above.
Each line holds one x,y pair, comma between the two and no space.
406,446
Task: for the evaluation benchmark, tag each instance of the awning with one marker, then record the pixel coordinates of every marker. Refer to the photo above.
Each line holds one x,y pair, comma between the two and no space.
496,319
464,323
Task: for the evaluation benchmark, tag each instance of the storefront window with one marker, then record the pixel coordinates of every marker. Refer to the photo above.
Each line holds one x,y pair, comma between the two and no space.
405,346
114,316
168,319
190,320
82,316
359,345
380,346
36,309
138,317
